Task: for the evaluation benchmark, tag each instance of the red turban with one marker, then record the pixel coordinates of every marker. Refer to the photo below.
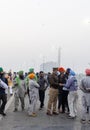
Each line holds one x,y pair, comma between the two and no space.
87,71
61,69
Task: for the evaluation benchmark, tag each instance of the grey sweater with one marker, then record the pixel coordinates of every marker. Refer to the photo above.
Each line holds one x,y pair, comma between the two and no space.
85,84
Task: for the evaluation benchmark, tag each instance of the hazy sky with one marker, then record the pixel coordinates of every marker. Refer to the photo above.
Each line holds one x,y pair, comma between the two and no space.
33,30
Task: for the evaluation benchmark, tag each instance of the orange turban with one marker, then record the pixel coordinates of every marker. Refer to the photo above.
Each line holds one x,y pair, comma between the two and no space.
61,69
31,76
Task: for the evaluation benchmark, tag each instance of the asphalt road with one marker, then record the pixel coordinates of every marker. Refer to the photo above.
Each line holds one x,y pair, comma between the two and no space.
21,121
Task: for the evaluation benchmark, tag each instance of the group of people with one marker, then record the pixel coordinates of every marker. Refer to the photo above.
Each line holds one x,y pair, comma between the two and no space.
31,84
63,95
63,89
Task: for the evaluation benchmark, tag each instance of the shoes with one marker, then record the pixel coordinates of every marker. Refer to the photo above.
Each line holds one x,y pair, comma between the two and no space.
3,114
83,121
71,117
55,113
49,114
40,108
62,112
33,115
11,94
15,110
23,109
88,121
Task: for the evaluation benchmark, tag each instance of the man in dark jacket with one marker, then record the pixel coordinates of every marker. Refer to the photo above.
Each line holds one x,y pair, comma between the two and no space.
63,92
61,80
43,86
3,96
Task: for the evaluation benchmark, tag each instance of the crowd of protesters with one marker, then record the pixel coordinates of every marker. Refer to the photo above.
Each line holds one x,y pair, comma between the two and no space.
63,95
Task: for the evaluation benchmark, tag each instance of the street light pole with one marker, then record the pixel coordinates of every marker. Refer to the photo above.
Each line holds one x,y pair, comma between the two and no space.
59,56
43,62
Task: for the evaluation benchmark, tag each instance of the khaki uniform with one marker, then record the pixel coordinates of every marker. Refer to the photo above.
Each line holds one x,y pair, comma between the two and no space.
53,94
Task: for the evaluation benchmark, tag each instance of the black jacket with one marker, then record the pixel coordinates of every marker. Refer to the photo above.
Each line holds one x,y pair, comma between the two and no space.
2,90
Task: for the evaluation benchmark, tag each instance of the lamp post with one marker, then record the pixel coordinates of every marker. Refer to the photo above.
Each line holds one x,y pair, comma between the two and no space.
59,56
43,63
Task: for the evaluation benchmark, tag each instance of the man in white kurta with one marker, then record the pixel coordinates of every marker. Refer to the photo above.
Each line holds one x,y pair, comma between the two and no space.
33,94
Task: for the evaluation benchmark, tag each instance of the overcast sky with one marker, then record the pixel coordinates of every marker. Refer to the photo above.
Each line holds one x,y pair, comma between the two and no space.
33,30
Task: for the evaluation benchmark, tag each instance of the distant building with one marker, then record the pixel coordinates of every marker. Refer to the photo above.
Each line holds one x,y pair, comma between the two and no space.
47,67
